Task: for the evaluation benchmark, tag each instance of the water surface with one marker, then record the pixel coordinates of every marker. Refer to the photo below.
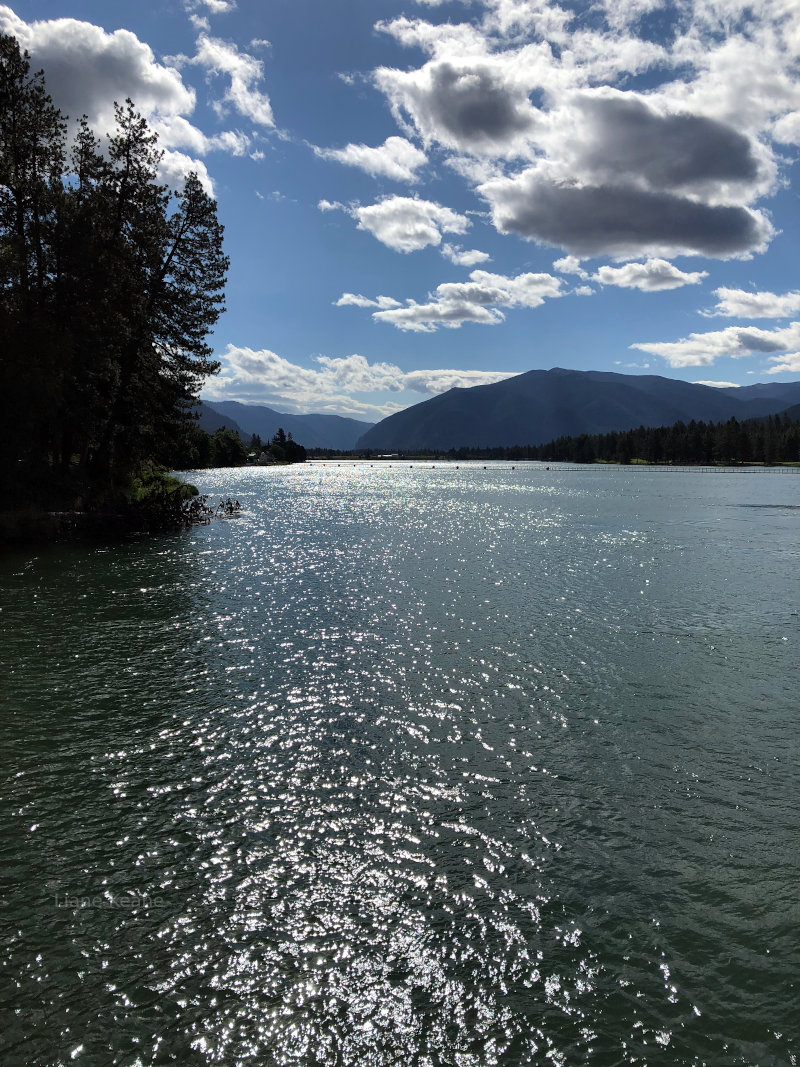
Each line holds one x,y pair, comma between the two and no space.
403,765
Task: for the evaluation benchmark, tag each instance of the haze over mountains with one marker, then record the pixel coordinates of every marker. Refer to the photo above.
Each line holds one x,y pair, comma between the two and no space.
312,431
528,409
535,407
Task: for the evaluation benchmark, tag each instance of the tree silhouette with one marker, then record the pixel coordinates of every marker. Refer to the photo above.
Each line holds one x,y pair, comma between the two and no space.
109,285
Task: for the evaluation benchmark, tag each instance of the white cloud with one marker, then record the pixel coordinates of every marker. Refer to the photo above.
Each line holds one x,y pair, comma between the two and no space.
524,100
436,38
356,300
215,7
570,265
719,385
243,94
787,129
175,167
741,304
475,106
464,257
396,158
788,364
452,313
232,141
174,131
260,375
452,304
523,290
703,349
348,385
88,69
653,276
407,224
355,374
439,381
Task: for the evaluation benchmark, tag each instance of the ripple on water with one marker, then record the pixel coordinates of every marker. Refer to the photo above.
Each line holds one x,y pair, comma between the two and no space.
446,767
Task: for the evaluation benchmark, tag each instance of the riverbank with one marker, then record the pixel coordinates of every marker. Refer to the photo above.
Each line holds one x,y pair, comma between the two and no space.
153,502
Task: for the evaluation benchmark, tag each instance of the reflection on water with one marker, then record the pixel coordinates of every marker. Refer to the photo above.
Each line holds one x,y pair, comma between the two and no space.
415,766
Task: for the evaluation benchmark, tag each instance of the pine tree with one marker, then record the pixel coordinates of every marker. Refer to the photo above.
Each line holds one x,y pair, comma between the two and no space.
32,147
168,276
109,285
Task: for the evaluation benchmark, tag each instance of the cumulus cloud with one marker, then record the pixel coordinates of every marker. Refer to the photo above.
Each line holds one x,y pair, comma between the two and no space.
177,132
703,349
621,221
175,168
439,381
570,265
356,300
524,100
88,69
472,107
214,7
464,257
260,375
396,158
624,137
452,313
407,224
220,58
479,300
741,304
355,374
653,276
348,385
788,364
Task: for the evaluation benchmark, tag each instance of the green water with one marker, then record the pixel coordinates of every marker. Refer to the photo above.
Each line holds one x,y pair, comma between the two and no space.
409,766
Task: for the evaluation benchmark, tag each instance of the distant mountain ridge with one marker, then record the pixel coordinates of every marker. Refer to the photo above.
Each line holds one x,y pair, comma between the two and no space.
312,431
210,420
539,406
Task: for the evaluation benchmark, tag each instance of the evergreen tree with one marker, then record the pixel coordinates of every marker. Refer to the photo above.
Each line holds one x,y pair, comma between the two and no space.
109,285
32,150
169,275
227,449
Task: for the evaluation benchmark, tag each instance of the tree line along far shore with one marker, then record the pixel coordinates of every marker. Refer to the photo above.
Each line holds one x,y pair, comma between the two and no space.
110,283
768,440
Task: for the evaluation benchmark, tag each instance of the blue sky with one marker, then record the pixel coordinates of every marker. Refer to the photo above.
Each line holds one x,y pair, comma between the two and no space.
426,193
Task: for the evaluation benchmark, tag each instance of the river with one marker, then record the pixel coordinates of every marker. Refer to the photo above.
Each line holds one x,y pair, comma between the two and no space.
409,764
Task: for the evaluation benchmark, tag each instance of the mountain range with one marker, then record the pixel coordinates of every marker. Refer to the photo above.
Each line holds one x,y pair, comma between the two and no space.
538,406
312,431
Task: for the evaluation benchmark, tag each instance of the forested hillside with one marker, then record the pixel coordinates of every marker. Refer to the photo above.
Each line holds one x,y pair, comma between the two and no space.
539,406
774,439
